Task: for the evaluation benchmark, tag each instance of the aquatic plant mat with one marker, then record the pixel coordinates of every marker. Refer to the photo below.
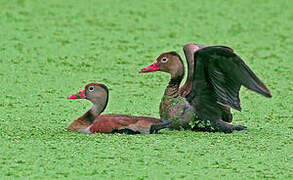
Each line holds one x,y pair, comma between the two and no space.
51,49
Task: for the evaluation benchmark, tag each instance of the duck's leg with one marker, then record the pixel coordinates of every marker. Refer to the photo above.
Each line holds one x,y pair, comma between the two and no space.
226,114
156,127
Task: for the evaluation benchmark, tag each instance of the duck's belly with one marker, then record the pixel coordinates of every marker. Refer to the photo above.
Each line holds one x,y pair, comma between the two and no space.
177,110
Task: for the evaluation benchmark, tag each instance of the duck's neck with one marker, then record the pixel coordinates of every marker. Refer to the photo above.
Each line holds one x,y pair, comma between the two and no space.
173,86
94,112
88,118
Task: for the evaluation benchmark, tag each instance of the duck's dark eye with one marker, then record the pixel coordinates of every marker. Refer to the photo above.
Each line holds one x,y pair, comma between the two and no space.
91,88
164,59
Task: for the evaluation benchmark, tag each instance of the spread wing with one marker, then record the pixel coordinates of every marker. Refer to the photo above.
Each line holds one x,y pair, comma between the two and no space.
216,81
189,50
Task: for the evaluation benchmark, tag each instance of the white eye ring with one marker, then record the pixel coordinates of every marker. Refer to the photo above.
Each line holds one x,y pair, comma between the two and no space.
164,59
91,88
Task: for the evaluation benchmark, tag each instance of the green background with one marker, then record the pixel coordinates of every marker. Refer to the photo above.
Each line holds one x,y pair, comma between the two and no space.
51,49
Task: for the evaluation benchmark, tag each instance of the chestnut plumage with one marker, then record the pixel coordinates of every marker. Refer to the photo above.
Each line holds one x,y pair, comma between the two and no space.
93,122
215,76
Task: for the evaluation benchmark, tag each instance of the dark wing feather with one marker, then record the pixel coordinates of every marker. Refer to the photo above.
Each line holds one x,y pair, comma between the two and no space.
218,76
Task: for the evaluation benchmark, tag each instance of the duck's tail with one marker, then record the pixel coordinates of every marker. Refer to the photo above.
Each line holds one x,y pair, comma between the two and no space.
156,127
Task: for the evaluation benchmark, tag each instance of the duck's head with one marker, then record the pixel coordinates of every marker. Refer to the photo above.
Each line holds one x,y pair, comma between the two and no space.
169,62
97,93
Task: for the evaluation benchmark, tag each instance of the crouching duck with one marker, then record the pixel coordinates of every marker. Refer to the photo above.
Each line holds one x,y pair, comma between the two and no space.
215,75
93,122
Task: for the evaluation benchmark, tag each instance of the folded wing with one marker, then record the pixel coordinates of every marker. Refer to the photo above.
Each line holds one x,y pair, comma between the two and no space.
120,123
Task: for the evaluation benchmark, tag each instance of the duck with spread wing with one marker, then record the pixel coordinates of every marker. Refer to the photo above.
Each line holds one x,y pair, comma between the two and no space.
215,76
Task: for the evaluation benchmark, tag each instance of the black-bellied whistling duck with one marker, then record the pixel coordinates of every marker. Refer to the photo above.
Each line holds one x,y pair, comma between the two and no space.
215,75
93,122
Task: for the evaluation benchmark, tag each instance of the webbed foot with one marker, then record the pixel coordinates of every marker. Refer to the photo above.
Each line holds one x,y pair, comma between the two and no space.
228,128
219,126
239,127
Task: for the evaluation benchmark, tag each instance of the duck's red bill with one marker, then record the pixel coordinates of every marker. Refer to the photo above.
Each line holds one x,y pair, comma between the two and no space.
79,95
150,68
